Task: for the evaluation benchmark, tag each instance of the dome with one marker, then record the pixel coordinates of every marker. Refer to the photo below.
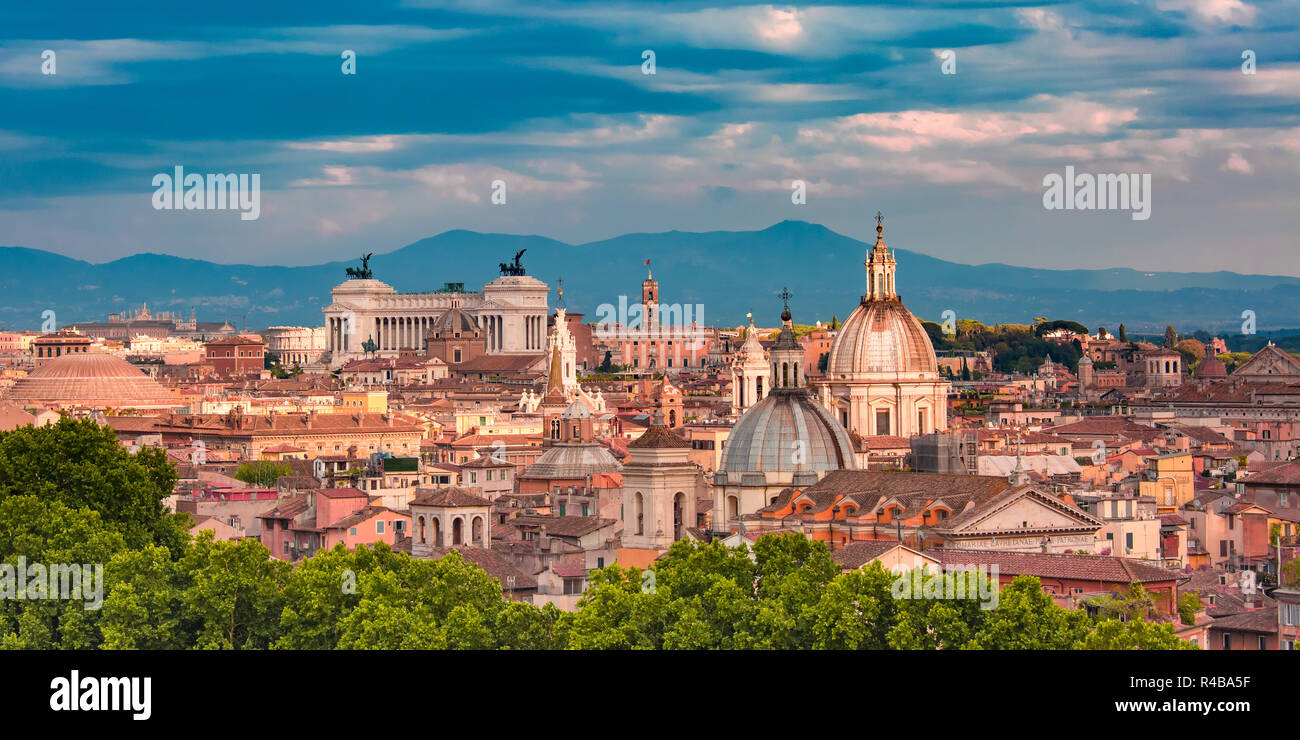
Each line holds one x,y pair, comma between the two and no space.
577,410
573,461
1211,367
881,336
763,441
453,323
91,379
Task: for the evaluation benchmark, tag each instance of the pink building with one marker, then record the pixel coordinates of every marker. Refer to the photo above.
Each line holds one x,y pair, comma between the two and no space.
300,525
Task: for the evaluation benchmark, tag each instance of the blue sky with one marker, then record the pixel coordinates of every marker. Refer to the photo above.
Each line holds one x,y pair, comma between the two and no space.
550,97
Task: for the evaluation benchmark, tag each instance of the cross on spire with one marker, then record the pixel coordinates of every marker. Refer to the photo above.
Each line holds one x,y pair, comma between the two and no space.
560,300
785,295
879,219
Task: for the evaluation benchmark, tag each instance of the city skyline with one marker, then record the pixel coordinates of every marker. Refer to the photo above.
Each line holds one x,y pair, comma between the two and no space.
554,100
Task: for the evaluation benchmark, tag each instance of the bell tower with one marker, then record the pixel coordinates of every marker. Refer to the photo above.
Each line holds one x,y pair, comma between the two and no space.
749,373
787,355
650,302
880,268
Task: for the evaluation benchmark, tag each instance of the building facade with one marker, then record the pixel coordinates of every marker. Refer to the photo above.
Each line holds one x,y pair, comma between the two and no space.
511,312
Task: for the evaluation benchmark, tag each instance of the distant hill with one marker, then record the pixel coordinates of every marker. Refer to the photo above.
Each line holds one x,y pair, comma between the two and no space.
728,272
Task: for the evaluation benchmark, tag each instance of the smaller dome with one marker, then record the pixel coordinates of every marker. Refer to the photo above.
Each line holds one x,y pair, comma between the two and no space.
1211,367
764,440
574,460
453,322
577,410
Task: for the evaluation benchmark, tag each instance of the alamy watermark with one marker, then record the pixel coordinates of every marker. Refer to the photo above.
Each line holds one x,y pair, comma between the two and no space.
1102,192
215,192
61,581
682,322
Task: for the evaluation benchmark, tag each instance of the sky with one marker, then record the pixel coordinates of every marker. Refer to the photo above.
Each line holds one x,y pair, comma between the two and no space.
552,98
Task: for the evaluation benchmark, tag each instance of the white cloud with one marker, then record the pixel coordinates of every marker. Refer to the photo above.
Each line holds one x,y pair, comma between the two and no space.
1237,163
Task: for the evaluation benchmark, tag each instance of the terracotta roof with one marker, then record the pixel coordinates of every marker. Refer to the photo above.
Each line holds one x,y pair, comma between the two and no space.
880,442
342,493
565,570
449,496
565,526
1100,568
364,514
492,562
1262,620
858,554
286,509
659,437
1286,474
487,461
497,363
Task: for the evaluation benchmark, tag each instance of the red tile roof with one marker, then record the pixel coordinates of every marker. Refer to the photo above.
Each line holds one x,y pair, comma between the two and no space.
1100,568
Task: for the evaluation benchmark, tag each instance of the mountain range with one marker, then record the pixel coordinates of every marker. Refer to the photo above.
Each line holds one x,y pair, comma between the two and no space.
728,273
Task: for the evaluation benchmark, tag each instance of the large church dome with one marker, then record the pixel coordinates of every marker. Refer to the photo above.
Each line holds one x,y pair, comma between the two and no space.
91,380
763,441
881,337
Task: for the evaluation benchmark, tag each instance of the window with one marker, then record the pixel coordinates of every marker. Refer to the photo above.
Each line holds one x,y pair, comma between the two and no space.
1227,641
353,531
600,562
1263,642
882,421
379,526
1128,540
1291,615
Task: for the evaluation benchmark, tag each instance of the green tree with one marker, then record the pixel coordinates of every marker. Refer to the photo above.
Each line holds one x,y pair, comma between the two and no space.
1026,618
1291,573
143,608
232,593
1123,335
47,533
80,464
1135,634
1171,337
262,473
1188,604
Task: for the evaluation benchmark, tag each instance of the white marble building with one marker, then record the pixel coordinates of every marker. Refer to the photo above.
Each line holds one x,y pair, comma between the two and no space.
511,310
295,345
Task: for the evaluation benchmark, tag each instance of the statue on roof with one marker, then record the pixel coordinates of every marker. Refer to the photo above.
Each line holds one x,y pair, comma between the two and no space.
364,272
515,268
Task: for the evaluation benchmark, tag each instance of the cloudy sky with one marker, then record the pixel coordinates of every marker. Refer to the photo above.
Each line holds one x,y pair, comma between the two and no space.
551,97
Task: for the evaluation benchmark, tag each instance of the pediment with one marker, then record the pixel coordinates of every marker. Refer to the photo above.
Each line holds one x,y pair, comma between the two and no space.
1269,362
1028,509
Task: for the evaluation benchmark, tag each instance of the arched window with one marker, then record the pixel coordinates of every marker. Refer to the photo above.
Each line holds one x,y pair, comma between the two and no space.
476,531
638,510
421,523
458,531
